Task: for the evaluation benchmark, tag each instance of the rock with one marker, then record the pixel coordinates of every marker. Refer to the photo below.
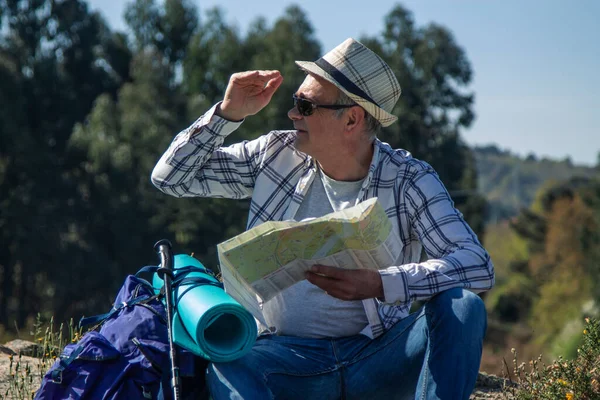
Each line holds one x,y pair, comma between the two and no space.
15,363
490,381
6,376
491,387
7,350
24,347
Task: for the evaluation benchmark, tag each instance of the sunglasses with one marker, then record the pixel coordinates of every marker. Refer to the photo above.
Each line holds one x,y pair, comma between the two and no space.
307,107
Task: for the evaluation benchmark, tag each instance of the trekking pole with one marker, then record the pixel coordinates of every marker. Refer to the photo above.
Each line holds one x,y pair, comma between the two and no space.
163,248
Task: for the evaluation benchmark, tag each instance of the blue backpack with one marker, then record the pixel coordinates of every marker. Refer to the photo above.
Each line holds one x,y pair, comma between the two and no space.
128,358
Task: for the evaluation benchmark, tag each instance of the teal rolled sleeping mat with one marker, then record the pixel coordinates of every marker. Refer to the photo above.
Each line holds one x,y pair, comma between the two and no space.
207,321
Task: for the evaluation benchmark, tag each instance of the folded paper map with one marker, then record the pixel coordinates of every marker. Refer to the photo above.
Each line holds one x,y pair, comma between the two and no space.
261,262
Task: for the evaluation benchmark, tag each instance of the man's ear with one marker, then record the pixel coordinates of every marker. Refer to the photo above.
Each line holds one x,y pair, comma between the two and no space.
354,118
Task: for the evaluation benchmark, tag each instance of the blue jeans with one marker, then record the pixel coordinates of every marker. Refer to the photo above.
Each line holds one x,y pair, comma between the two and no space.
431,354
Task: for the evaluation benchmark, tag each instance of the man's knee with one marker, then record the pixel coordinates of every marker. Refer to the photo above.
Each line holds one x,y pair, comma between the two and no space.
459,305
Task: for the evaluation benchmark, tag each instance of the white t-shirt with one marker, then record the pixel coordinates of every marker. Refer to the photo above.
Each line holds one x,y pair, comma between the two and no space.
303,309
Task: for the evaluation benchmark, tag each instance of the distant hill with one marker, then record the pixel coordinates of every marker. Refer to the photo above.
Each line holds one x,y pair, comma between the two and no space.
510,182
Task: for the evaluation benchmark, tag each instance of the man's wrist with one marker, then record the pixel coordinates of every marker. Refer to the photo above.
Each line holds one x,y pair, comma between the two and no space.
378,291
226,114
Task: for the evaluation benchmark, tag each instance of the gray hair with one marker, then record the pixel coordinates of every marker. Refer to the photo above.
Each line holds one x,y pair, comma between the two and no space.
372,125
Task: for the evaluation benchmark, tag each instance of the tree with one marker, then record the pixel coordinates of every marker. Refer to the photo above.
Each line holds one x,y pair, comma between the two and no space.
561,269
167,29
561,272
54,74
15,146
177,25
119,212
142,17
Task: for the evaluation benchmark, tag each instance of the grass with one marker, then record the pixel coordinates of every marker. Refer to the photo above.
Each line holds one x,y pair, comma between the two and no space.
24,378
575,379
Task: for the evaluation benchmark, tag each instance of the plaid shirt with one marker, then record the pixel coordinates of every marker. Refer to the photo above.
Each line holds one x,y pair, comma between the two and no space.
276,177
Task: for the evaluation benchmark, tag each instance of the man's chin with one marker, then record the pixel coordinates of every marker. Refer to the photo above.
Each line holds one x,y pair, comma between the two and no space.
301,141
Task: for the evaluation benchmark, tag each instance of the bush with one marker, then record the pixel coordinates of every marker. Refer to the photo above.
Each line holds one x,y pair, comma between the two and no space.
576,379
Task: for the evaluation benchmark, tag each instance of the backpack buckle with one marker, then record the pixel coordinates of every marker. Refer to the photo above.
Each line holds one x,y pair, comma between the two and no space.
56,376
146,393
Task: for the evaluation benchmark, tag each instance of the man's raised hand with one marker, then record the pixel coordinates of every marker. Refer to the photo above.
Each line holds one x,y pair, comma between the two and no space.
248,92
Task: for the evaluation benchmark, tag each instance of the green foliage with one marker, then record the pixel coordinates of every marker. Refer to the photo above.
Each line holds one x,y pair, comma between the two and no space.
511,300
167,29
559,300
548,271
53,75
562,259
178,23
117,147
142,17
506,248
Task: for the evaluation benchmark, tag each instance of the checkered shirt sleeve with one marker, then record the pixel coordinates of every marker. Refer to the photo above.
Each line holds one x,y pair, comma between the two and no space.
196,164
456,258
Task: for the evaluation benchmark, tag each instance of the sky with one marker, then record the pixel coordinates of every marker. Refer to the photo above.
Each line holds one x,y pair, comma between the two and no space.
536,63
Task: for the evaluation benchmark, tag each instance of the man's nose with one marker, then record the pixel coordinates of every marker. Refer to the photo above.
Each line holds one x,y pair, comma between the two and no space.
293,114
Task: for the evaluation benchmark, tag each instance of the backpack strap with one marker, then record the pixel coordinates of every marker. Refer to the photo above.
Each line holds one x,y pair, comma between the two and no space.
142,300
182,279
97,319
56,374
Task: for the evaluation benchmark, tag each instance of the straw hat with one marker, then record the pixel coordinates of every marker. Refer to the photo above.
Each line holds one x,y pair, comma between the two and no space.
362,75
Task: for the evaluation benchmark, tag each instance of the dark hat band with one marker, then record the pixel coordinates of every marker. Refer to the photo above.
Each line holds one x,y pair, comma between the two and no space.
343,80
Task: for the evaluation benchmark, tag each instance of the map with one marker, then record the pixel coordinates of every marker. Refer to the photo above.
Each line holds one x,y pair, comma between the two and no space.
263,250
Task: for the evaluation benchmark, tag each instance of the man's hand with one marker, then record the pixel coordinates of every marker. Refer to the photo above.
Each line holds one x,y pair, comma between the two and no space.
247,93
346,284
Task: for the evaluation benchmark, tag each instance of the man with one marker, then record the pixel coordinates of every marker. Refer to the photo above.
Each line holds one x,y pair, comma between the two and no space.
342,333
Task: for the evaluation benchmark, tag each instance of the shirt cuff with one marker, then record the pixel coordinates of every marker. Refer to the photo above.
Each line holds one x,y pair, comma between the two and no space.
395,286
217,125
